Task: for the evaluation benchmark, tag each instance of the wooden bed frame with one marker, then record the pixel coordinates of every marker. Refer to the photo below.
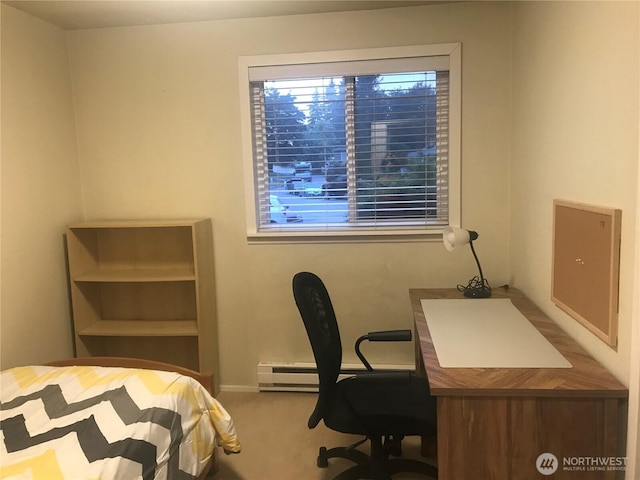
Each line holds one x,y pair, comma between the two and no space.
205,379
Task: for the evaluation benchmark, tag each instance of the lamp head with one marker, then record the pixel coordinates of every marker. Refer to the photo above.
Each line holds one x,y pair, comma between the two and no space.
453,237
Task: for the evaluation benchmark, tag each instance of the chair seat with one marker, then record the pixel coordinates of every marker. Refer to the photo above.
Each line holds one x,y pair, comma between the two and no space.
398,409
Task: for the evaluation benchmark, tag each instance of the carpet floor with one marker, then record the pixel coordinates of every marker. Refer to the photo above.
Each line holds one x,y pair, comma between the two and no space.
277,445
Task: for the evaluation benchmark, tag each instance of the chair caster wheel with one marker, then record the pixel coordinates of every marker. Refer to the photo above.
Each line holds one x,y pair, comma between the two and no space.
322,458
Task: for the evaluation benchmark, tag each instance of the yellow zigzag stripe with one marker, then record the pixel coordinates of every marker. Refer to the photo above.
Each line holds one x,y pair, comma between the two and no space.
42,466
89,377
221,423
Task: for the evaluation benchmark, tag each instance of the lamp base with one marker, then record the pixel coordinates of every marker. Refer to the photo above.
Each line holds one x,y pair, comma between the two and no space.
477,292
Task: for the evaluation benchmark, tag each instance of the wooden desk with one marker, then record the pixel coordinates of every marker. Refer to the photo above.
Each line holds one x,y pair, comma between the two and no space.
493,423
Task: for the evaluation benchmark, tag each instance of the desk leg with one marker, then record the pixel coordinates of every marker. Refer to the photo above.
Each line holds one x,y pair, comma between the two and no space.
428,444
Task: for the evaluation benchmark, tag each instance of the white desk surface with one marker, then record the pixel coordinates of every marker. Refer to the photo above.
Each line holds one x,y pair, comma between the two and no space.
487,333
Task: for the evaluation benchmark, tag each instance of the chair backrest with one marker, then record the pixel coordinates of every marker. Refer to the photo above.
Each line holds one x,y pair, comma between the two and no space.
319,319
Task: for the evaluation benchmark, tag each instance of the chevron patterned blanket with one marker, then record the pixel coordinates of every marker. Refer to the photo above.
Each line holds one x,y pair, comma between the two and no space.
107,423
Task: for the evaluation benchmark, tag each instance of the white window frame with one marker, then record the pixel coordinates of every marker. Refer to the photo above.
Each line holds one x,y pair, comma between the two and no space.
245,63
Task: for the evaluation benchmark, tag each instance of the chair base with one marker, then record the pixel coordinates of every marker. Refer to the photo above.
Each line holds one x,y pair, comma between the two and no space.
350,453
390,467
378,466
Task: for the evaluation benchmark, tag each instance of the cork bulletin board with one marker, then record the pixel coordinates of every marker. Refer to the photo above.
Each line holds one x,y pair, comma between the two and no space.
586,264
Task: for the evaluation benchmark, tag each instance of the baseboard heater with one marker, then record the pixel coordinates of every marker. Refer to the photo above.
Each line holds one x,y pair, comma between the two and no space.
303,377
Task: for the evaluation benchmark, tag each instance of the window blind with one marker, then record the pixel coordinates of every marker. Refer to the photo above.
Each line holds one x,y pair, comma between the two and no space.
351,151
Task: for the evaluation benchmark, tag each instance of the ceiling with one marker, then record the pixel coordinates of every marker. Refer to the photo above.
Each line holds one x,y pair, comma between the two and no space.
83,14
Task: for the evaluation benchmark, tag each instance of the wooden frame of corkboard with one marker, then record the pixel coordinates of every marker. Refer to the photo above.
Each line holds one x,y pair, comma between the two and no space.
586,265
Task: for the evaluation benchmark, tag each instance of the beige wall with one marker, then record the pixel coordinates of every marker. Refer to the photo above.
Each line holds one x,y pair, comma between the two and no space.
575,137
159,135
40,189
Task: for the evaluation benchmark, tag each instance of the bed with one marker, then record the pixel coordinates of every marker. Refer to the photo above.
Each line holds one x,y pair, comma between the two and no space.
110,418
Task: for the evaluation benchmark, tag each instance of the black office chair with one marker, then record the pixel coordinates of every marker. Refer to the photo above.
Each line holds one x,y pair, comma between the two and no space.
384,407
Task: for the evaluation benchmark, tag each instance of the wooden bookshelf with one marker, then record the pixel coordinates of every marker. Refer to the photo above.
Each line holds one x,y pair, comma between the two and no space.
145,289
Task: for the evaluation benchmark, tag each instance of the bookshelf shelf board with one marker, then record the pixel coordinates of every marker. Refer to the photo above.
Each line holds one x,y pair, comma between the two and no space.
138,275
142,328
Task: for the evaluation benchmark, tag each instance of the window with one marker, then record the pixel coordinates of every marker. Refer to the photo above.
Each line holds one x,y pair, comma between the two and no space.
362,142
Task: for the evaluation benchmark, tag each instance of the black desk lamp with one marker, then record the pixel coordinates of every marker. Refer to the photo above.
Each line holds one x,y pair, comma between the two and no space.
478,287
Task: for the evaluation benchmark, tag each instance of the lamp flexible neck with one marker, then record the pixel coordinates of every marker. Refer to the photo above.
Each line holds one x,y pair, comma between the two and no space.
473,250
